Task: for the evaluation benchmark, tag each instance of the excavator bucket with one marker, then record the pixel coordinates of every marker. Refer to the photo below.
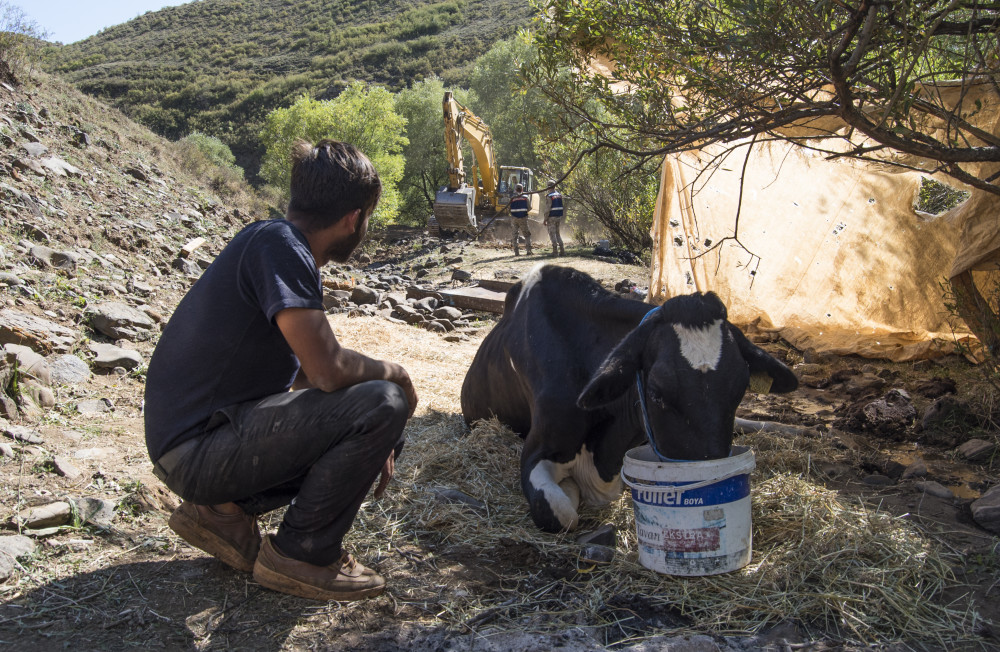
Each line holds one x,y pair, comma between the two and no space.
453,209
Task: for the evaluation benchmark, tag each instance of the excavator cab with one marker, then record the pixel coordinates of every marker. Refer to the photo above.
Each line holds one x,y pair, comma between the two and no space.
509,178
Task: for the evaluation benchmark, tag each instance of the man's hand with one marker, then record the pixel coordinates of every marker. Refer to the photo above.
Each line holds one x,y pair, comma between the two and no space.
400,376
388,470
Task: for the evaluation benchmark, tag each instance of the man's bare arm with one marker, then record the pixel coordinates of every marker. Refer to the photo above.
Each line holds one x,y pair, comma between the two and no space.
327,365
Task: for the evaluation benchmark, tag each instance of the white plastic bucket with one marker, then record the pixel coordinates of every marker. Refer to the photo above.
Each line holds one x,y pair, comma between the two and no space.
691,518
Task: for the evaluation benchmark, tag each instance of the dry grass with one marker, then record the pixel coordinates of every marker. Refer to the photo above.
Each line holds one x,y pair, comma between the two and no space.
839,568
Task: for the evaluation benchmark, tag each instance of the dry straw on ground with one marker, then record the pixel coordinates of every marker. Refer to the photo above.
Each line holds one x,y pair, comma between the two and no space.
839,568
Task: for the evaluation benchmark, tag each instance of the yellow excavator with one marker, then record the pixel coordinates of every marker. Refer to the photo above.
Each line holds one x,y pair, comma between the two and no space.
461,206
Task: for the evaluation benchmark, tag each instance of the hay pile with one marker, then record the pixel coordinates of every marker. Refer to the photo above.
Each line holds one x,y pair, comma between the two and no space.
839,569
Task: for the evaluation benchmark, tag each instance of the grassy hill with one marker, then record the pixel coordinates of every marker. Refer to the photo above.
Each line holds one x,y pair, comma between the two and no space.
219,66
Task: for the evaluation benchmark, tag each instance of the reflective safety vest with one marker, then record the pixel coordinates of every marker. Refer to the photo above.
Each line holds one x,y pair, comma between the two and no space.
557,204
519,206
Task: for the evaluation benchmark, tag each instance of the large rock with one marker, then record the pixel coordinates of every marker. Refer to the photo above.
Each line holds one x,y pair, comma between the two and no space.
363,295
404,310
187,267
68,369
35,149
335,299
427,304
46,516
95,406
36,333
120,321
448,312
11,548
21,433
96,511
40,395
935,489
60,167
986,510
29,164
110,356
49,257
17,545
65,467
29,363
977,450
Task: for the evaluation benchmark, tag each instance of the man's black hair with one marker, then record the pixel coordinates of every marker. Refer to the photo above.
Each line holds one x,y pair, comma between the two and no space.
329,180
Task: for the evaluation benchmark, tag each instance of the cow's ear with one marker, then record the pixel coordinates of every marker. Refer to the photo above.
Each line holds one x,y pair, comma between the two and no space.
763,364
617,373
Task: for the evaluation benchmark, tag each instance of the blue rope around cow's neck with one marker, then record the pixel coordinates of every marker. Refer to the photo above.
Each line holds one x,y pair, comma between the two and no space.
642,404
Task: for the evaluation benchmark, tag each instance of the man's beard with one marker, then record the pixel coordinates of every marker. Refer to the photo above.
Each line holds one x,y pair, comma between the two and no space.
340,251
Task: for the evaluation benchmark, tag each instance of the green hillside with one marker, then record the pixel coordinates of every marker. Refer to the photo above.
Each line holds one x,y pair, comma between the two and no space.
219,66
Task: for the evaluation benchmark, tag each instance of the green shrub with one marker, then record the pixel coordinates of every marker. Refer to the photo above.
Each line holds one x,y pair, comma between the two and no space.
214,150
209,158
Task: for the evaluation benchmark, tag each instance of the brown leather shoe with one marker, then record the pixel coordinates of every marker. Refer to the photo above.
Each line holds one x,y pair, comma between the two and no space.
345,579
234,539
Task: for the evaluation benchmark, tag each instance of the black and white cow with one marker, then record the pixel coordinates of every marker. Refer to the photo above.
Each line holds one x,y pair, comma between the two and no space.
560,368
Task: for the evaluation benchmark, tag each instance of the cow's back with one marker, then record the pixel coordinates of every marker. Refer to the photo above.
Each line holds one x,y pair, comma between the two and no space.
558,326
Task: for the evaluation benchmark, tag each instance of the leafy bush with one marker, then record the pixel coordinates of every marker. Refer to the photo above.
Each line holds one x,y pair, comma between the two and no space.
214,149
211,159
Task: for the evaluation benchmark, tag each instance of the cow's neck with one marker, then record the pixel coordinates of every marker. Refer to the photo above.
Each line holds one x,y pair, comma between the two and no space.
627,310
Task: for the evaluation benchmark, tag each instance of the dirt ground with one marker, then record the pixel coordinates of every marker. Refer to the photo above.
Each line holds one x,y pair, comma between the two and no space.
136,585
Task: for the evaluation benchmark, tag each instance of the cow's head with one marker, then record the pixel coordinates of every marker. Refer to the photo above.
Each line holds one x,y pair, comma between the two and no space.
695,367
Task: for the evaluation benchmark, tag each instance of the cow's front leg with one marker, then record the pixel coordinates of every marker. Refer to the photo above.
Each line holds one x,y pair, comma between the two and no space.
553,496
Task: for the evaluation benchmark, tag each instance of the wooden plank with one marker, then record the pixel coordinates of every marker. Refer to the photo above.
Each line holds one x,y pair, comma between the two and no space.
475,298
191,246
497,286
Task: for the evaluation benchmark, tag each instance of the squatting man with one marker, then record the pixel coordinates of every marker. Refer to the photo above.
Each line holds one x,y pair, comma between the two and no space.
252,404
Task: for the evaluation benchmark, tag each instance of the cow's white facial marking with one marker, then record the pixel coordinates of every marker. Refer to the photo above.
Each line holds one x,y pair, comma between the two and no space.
701,347
564,485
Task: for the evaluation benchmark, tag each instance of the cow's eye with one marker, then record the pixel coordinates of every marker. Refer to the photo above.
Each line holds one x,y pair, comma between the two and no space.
656,397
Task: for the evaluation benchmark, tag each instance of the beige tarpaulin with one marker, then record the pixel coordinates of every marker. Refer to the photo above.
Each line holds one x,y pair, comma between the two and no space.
830,252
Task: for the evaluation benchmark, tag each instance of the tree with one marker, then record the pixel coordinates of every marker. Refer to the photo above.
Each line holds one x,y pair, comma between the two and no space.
620,195
364,116
612,188
686,74
514,111
426,165
899,82
20,42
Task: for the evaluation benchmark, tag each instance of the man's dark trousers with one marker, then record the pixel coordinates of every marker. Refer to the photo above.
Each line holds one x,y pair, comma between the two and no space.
317,452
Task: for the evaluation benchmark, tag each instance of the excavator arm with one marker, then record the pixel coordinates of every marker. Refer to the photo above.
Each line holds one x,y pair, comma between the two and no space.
454,206
459,120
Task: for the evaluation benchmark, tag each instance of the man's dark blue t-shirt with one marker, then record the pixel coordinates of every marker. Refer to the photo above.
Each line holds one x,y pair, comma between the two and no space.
222,346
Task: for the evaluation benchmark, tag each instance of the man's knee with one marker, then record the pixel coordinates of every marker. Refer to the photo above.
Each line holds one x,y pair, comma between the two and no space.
390,408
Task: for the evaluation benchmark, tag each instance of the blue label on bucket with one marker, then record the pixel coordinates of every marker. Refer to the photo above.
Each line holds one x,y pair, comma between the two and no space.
719,493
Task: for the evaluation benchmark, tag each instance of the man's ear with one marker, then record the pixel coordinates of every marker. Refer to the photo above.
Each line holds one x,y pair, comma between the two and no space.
350,220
